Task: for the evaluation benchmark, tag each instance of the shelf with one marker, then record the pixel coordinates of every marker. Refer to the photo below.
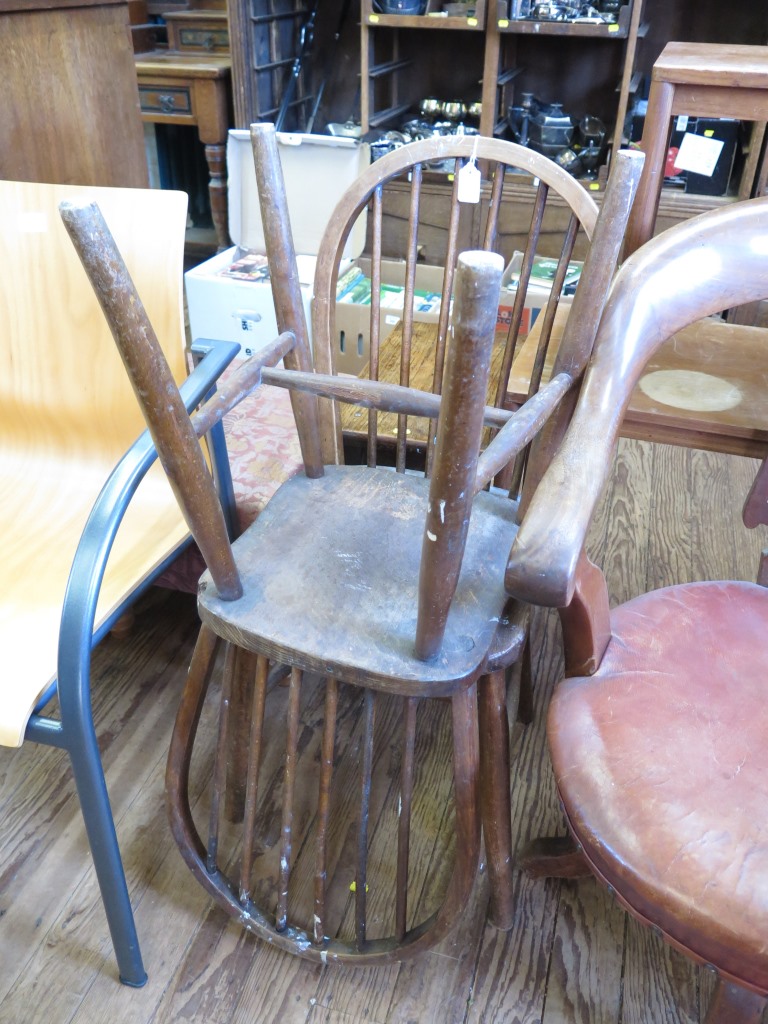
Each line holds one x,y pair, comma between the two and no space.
377,120
389,67
523,26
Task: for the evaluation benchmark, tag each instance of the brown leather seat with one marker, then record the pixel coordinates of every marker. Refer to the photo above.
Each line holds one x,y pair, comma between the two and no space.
658,736
662,764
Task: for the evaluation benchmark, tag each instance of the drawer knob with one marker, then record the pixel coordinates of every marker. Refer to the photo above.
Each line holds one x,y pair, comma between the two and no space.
167,103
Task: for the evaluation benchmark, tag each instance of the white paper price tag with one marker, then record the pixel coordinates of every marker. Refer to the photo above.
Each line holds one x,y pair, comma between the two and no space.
698,154
469,183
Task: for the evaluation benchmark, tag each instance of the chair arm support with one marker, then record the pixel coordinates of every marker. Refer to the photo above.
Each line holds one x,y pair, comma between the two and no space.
521,428
643,310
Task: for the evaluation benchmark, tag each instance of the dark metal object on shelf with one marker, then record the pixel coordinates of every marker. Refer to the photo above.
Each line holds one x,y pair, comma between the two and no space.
590,11
577,146
400,6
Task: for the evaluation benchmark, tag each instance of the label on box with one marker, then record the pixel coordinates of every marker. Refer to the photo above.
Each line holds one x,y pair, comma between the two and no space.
698,154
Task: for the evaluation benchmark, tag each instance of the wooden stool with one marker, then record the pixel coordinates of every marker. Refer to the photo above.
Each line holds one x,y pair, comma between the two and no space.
701,80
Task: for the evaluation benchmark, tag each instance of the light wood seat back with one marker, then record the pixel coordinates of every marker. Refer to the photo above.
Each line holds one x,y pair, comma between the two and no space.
67,415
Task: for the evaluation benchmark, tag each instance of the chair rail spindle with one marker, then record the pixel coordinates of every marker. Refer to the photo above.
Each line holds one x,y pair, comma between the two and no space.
289,785
373,370
323,807
252,774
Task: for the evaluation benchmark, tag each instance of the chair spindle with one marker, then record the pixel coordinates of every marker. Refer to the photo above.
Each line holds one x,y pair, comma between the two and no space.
323,807
253,769
289,786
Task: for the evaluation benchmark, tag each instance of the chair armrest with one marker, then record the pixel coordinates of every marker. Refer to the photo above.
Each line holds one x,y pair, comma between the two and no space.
679,277
76,633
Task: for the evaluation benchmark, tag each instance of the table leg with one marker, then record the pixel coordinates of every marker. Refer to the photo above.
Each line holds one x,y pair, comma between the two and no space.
216,155
655,143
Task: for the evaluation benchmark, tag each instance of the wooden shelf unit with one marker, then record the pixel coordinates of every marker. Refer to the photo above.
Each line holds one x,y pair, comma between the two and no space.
396,70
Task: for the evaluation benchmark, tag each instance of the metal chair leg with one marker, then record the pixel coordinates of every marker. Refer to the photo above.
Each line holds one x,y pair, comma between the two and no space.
102,837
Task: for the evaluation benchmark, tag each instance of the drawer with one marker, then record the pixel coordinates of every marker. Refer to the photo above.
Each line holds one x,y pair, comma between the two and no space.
158,98
198,32
200,40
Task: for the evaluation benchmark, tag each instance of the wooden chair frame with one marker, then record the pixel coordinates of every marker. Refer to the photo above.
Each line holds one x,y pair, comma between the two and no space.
224,587
710,263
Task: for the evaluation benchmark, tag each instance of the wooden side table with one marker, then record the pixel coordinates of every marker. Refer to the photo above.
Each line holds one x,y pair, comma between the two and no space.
701,80
177,88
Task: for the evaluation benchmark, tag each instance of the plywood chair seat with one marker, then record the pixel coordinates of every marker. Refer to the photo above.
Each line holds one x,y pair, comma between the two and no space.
662,766
330,576
57,498
87,523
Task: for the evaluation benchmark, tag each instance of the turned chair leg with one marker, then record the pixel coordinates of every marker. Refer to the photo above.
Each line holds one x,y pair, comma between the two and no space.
525,696
554,857
495,797
732,1004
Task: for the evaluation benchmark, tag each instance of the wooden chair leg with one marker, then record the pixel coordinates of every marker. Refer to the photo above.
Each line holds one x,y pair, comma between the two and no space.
495,797
525,697
732,1004
554,857
762,572
243,675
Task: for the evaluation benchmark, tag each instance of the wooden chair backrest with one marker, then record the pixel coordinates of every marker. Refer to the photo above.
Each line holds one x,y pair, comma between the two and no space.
469,226
707,264
61,373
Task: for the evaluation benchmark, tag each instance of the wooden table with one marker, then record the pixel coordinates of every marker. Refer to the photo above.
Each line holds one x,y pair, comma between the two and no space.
705,388
354,419
700,80
176,88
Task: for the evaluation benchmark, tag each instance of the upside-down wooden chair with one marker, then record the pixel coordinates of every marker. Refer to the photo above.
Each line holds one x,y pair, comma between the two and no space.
80,541
353,573
658,736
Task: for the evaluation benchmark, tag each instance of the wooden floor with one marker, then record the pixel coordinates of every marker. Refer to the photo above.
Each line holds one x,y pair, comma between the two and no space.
572,956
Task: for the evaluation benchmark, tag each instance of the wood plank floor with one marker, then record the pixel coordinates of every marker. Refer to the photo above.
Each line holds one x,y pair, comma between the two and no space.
573,957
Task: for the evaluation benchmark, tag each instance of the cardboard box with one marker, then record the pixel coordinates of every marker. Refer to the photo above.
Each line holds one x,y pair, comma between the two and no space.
536,297
353,320
317,170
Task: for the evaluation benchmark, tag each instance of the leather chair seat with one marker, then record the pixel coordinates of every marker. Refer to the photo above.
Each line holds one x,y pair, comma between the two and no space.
661,760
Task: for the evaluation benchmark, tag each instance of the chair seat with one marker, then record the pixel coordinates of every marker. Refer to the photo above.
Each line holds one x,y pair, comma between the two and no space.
661,759
57,498
335,591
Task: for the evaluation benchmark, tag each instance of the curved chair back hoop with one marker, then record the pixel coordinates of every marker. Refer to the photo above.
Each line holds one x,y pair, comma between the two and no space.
725,252
498,156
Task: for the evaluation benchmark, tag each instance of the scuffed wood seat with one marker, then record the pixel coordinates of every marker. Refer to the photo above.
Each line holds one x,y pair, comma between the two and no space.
363,527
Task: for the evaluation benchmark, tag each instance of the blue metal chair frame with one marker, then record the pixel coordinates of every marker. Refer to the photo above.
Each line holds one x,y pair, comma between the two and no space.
74,731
